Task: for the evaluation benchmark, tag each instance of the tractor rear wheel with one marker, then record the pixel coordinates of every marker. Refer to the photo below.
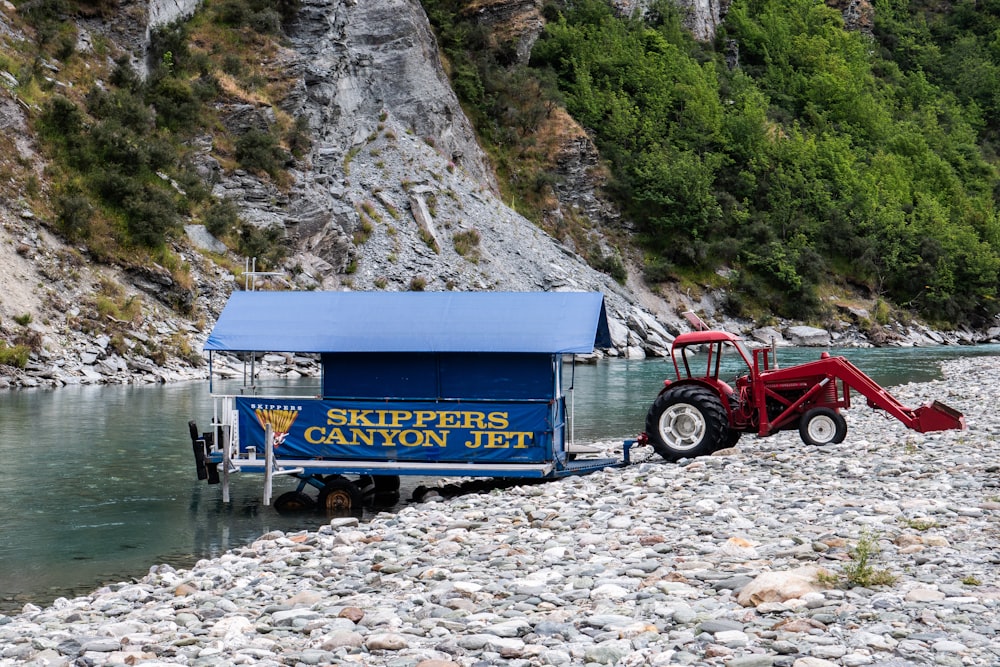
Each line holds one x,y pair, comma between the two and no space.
685,422
732,437
822,426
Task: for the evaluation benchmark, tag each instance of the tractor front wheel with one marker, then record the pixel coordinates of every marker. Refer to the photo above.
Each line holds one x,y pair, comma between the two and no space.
685,422
822,426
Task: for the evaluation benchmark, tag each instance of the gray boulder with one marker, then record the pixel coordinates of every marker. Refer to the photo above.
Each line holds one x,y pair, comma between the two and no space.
805,336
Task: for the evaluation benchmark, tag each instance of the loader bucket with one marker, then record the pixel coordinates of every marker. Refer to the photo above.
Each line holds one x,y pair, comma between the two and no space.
937,416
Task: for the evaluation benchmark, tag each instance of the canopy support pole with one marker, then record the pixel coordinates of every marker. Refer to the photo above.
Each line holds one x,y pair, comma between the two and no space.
226,463
268,461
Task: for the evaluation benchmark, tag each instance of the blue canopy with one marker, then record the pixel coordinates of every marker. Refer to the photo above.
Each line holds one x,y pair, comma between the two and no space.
535,322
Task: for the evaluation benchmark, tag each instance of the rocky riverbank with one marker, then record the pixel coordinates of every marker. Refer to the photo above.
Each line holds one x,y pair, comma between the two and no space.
78,358
877,551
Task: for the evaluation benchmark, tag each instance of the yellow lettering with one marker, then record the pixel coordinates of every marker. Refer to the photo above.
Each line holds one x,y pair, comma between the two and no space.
411,438
361,418
500,440
336,437
362,437
449,419
522,439
398,417
496,440
423,417
336,417
439,438
499,420
314,439
387,436
474,420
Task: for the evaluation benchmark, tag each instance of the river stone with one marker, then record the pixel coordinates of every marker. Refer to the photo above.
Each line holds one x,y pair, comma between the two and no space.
555,657
509,646
751,661
608,653
713,626
231,626
341,639
386,641
924,595
99,645
948,647
780,586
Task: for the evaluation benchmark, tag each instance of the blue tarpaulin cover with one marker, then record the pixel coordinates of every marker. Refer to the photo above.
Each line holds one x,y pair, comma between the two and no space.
535,322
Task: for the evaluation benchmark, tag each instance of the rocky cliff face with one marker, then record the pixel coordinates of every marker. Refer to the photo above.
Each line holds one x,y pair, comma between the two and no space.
396,193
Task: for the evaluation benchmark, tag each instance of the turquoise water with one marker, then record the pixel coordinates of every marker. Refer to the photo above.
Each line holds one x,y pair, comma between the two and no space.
98,483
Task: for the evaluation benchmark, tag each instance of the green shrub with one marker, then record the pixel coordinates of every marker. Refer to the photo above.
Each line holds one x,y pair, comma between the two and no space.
467,244
428,240
610,264
363,231
260,15
299,139
657,270
221,217
46,16
259,151
73,213
151,216
178,106
861,570
124,107
16,355
61,121
266,244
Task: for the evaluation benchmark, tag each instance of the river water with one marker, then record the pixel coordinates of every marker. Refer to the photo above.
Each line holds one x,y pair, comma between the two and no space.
98,483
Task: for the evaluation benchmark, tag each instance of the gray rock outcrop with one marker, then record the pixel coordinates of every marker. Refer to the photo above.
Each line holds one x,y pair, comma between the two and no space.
359,60
701,17
804,336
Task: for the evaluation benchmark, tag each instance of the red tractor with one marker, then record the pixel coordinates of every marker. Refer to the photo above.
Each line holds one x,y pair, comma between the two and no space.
699,413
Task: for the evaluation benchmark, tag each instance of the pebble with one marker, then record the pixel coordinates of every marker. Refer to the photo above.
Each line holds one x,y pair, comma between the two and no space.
652,564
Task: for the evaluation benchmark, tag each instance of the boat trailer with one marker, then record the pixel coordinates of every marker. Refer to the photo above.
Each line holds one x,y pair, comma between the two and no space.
430,384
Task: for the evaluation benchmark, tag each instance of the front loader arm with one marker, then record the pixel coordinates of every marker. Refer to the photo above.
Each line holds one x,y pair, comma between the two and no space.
934,416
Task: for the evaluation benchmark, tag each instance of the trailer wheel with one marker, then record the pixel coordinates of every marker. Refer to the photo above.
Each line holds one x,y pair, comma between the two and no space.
293,501
386,483
822,426
339,494
367,485
379,490
685,422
